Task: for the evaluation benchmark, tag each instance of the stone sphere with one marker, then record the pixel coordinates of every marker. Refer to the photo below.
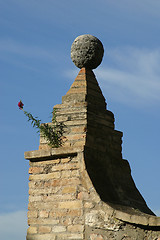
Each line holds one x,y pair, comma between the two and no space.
87,51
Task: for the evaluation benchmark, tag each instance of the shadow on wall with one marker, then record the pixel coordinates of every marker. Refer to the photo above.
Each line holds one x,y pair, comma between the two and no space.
112,180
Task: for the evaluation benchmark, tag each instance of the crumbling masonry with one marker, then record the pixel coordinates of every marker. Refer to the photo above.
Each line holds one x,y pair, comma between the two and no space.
84,189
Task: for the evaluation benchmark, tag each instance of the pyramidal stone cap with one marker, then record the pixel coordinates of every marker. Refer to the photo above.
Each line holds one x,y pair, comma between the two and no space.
87,51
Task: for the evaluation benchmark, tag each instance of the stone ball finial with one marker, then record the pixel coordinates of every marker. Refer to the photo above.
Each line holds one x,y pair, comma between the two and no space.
87,51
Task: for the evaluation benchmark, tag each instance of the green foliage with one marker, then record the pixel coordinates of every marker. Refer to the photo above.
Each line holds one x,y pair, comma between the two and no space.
52,133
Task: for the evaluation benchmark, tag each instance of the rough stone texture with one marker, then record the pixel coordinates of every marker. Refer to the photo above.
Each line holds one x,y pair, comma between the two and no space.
84,189
87,51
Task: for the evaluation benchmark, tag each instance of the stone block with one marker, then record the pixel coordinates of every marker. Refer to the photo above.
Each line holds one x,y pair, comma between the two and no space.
154,221
35,198
62,182
32,230
69,189
35,170
45,176
44,163
40,221
70,204
43,214
78,129
32,214
36,184
57,197
65,160
76,136
42,205
58,229
41,237
67,166
39,191
75,228
44,229
66,212
72,236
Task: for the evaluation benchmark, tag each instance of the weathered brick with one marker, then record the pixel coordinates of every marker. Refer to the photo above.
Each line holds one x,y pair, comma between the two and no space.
46,162
66,221
62,182
76,136
73,236
45,176
75,228
78,220
42,205
35,198
36,184
44,146
41,237
32,230
58,229
69,189
39,191
58,213
68,166
66,212
70,204
65,160
43,214
57,197
35,221
78,129
32,214
44,229
77,90
79,83
35,170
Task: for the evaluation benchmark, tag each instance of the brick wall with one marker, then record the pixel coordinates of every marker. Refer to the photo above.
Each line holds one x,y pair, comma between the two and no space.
55,204
84,189
63,203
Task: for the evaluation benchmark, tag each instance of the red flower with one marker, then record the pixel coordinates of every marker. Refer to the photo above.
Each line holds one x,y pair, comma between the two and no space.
20,105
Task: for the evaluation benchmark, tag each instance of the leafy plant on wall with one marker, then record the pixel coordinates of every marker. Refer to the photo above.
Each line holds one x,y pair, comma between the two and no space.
52,133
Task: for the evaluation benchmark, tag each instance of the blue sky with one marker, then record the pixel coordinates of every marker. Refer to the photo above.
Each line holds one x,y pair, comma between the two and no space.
35,66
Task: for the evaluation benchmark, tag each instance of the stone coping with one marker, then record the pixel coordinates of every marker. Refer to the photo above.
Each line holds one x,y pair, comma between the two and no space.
145,219
133,216
52,152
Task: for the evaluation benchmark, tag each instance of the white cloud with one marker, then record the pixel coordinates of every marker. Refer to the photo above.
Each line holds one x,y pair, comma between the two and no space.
13,225
28,55
31,51
132,76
